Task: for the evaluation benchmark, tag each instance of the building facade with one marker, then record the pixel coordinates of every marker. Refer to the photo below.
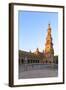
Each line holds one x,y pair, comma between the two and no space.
47,56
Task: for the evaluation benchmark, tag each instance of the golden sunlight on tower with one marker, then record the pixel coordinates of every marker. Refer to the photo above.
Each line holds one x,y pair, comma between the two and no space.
49,51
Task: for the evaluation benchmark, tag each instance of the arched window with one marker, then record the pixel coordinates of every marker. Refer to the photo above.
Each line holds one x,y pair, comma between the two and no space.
28,61
49,61
22,61
46,61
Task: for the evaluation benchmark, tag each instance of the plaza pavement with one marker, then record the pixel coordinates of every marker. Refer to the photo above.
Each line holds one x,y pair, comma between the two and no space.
44,72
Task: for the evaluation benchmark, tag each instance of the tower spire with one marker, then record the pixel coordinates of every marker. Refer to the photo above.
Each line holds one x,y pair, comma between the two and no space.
49,25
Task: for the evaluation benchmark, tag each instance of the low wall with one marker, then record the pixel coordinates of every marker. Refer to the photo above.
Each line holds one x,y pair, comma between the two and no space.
27,67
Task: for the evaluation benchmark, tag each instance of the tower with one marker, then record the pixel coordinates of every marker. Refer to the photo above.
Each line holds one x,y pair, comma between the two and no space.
37,52
49,51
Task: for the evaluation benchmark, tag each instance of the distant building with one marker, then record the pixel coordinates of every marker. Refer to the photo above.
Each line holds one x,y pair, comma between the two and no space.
46,56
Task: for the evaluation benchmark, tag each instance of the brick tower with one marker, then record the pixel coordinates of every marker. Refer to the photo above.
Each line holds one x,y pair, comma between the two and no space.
49,51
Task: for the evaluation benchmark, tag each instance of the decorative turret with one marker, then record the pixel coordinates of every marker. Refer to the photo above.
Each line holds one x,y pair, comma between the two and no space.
37,51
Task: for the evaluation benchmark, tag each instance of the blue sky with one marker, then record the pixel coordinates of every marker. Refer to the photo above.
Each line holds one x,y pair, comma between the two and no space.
33,30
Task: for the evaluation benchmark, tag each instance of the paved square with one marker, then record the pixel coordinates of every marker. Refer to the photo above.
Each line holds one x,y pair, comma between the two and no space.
43,72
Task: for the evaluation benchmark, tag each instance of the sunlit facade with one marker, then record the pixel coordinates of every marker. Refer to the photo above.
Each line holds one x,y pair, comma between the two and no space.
47,56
